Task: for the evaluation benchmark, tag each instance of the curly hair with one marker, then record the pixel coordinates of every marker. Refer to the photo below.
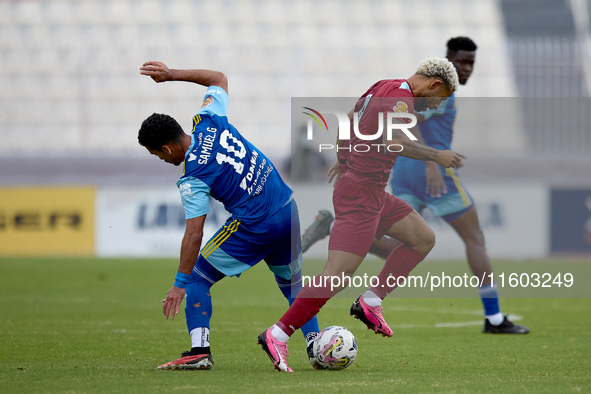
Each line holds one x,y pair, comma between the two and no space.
158,130
461,44
440,68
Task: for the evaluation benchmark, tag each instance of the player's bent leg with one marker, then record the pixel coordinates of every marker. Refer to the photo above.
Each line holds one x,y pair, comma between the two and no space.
414,233
340,263
371,316
290,289
468,228
285,261
349,243
198,313
418,240
276,350
383,247
308,303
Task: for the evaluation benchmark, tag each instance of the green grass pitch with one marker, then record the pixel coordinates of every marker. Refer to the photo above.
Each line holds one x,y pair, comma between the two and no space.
92,325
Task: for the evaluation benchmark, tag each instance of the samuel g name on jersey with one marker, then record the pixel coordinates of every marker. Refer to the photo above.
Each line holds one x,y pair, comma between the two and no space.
223,164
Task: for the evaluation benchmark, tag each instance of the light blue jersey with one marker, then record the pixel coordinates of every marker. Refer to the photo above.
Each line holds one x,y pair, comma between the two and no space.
409,180
223,164
437,129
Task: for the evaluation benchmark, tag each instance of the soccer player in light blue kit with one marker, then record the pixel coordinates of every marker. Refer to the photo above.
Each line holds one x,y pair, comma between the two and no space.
426,184
264,224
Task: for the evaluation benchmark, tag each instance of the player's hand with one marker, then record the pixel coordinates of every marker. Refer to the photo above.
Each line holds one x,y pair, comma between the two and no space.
158,71
462,163
172,302
334,172
448,159
435,181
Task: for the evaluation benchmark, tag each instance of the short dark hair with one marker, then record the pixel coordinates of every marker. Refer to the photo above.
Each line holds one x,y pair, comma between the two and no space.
461,44
158,130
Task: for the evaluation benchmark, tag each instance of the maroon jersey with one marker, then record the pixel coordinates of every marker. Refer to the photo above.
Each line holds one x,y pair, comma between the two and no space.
369,162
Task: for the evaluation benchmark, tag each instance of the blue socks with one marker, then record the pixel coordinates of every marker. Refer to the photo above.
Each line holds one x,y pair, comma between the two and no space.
490,302
198,307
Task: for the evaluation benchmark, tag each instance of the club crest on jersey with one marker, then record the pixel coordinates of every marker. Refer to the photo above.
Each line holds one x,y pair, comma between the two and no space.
401,106
208,100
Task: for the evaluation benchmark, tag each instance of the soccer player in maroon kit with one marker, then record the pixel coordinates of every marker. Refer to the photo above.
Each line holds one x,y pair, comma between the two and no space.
364,210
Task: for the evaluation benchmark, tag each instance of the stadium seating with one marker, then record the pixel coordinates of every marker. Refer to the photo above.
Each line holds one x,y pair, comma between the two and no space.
64,60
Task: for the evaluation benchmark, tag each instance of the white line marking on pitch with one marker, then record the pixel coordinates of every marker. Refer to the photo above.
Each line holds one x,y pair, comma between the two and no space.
438,310
444,325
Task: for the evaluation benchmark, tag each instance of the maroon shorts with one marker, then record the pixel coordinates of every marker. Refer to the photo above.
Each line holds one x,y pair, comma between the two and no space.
361,214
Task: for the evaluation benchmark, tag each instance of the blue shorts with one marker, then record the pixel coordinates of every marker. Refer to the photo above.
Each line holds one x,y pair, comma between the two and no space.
409,183
239,245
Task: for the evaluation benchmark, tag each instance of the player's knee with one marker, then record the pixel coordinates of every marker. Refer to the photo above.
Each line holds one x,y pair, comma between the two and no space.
479,236
474,237
427,242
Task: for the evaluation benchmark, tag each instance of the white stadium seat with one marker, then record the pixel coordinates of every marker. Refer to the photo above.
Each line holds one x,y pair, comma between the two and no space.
62,50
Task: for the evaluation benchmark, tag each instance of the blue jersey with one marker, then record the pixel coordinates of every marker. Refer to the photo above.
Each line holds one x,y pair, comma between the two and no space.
437,129
409,180
437,132
223,164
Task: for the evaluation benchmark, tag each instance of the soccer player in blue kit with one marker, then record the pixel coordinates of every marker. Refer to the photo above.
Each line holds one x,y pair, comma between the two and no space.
264,224
426,184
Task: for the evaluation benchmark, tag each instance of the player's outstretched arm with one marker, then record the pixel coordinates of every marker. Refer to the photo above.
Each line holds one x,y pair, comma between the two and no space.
159,72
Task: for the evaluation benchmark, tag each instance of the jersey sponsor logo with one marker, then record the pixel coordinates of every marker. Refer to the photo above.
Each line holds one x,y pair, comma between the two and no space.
214,91
250,175
185,189
253,163
207,102
401,106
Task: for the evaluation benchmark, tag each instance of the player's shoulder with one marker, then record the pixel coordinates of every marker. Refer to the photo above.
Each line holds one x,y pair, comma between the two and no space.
399,87
215,102
214,93
205,121
391,88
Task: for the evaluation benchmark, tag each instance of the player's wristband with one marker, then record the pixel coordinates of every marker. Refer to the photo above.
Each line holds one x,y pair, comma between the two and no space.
181,280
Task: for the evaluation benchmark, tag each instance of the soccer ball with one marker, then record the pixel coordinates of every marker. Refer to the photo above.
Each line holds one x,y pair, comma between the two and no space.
335,348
